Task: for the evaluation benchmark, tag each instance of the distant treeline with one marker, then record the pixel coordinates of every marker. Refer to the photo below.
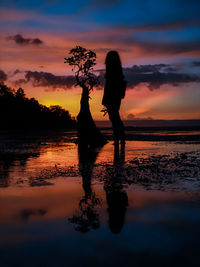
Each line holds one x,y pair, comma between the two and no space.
19,112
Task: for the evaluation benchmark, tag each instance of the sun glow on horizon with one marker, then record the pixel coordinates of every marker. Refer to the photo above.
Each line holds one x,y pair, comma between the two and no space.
37,40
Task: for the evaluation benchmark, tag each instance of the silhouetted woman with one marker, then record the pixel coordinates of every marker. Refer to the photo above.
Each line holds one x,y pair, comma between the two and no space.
114,91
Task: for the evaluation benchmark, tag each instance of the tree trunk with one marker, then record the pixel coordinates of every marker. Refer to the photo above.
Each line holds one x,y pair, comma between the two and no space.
88,133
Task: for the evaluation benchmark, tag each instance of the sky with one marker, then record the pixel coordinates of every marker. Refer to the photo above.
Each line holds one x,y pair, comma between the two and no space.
158,42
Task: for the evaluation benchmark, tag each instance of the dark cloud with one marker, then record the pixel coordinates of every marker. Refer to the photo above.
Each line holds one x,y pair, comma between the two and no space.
171,68
47,79
155,80
3,76
195,64
16,72
19,39
149,68
133,117
154,76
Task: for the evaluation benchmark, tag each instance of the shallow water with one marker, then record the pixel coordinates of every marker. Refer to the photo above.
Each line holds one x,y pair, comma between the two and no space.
60,206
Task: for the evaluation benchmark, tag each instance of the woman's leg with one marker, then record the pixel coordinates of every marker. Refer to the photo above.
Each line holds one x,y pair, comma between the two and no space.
117,124
120,126
113,118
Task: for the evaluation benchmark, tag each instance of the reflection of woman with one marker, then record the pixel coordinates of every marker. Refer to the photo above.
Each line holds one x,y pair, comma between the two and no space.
114,91
117,202
116,196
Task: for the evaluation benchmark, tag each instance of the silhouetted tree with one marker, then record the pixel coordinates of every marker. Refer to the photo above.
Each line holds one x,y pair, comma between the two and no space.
83,61
20,93
18,111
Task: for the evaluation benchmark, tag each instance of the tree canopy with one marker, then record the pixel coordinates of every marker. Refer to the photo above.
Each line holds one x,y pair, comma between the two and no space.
83,61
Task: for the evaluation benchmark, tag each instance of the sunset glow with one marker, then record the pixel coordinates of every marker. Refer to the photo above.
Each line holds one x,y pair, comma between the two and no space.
36,36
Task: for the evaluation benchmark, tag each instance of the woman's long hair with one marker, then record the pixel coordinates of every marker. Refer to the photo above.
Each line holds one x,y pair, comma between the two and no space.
113,66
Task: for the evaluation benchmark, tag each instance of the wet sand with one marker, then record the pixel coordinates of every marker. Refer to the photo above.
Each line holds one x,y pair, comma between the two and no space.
60,206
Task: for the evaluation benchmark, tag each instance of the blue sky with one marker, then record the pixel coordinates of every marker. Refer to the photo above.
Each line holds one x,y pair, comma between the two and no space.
143,32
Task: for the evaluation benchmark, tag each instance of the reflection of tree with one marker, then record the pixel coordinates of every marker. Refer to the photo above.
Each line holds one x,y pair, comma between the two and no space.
117,198
87,217
16,151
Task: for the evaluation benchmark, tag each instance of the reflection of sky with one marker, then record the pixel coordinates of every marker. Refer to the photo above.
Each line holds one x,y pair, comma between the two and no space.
34,225
164,224
133,28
